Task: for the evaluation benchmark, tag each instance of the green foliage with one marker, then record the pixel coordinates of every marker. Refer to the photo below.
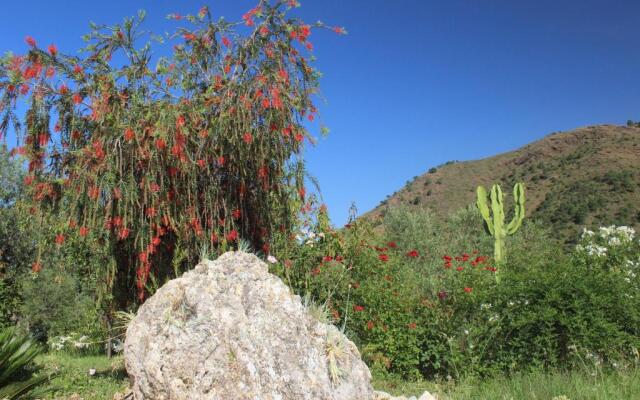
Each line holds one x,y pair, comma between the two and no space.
56,304
421,298
494,218
17,353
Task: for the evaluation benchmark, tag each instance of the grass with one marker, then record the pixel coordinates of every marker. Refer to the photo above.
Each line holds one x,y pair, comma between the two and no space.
577,385
73,379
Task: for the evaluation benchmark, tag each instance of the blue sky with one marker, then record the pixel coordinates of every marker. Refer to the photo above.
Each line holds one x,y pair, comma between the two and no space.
417,83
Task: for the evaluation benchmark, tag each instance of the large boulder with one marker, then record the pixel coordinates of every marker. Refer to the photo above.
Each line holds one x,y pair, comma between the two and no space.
230,330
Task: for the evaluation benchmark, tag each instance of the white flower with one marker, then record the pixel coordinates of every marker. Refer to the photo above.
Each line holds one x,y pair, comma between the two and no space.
614,241
587,233
271,259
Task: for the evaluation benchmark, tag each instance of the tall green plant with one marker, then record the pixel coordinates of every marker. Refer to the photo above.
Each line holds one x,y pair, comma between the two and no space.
494,217
16,354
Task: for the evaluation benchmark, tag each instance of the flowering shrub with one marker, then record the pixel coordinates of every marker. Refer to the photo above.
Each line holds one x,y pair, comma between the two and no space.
73,342
417,309
157,161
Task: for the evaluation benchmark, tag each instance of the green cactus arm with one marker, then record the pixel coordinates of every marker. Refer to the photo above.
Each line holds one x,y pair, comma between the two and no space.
498,210
518,217
484,208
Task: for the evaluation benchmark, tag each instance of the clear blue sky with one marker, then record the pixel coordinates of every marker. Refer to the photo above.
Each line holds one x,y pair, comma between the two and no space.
418,82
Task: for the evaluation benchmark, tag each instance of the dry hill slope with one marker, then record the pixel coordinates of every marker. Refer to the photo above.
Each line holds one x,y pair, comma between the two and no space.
585,177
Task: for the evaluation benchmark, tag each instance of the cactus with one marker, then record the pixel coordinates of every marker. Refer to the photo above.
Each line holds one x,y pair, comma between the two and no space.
495,223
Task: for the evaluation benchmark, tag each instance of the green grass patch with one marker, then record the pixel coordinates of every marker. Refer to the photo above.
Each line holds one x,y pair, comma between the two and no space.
577,385
72,376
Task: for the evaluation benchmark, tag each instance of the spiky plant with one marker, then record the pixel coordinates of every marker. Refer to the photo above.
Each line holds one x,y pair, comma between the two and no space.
494,216
203,147
16,356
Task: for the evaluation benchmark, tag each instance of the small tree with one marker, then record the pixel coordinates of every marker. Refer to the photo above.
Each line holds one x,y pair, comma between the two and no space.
156,162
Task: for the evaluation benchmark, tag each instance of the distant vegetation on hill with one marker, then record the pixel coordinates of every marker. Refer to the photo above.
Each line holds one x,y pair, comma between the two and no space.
582,178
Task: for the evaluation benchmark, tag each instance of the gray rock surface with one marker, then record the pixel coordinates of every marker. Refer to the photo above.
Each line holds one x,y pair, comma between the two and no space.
229,330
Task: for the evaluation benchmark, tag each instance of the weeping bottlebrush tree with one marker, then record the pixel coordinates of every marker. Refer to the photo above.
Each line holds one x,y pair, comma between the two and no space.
201,149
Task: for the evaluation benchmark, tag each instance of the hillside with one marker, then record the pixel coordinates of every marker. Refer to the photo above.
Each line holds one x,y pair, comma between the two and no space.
585,177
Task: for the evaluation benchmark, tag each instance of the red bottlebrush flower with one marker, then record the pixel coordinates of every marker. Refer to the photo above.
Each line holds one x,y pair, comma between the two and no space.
492,269
116,221
460,269
442,295
36,267
24,88
247,138
283,74
448,265
201,163
155,241
392,245
151,212
30,41
124,233
63,89
357,308
236,214
161,144
129,134
214,237
327,259
339,30
173,171
264,31
302,192
189,37
311,117
117,193
465,257
299,137
370,325
59,239
94,192
28,180
339,258
77,69
77,98
84,231
383,257
204,133
468,289
412,325
447,258
232,236
143,257
155,188
225,41
180,121
53,50
413,254
50,72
